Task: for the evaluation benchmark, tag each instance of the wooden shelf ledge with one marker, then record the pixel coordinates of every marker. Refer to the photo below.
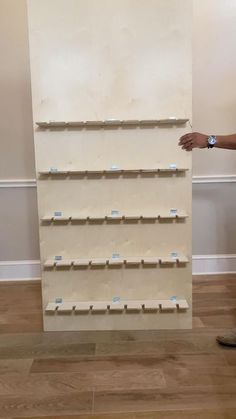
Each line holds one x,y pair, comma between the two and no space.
113,262
122,307
112,123
106,172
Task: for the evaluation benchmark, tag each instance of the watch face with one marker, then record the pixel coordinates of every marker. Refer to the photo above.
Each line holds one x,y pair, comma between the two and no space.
212,140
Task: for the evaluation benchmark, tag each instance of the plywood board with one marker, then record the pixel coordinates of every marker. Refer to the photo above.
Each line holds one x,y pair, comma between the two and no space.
108,62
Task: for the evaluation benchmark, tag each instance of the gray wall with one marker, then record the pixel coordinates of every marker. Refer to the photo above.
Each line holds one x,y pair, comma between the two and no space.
213,111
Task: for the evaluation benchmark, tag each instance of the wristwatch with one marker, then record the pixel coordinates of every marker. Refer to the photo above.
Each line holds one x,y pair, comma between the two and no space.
211,141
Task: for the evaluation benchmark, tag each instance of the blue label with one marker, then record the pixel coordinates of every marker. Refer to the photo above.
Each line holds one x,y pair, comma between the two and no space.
58,300
114,213
116,299
115,255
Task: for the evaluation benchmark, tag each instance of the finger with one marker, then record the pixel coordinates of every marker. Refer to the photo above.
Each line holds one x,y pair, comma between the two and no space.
187,148
188,145
186,138
187,135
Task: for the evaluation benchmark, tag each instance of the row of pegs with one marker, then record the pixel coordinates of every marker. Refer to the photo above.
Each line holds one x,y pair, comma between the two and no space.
112,123
115,262
93,307
106,172
175,215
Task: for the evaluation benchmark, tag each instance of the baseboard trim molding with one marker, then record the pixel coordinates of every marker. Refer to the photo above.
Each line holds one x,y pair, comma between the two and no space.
31,183
17,183
214,264
20,270
202,265
214,179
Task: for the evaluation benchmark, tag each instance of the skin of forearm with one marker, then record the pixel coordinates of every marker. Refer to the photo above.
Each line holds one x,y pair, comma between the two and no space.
226,141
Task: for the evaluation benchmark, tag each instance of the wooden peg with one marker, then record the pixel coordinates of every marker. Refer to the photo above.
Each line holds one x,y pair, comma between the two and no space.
133,306
82,307
47,218
132,217
51,308
99,307
61,218
182,259
63,263
151,305
66,307
167,305
133,261
49,263
115,262
98,262
167,260
81,263
149,217
182,305
150,260
116,307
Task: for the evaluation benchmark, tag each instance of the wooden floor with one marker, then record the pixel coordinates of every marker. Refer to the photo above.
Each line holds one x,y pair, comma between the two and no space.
109,375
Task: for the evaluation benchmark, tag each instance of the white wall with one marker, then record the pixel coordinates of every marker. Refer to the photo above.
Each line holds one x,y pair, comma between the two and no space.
214,104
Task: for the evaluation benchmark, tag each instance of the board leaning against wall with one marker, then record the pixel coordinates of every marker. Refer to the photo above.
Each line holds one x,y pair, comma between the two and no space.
111,87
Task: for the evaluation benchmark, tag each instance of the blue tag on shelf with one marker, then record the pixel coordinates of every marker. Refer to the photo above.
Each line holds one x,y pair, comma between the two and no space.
57,213
115,255
114,167
173,166
58,258
58,300
116,299
114,213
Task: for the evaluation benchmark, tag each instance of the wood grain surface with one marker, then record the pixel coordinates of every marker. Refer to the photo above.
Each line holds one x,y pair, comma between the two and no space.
109,375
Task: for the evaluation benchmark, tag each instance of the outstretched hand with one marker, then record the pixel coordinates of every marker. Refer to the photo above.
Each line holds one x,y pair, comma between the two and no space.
193,140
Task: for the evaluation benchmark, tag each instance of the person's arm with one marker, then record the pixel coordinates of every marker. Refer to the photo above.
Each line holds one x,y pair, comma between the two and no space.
198,140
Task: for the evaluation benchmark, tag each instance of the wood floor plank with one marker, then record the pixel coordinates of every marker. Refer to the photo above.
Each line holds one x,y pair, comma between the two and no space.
201,376
185,344
188,398
176,414
45,350
67,404
120,363
68,383
11,366
167,374
230,356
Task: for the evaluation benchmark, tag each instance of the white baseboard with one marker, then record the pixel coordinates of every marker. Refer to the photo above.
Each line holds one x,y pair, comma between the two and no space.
214,264
20,270
202,265
31,183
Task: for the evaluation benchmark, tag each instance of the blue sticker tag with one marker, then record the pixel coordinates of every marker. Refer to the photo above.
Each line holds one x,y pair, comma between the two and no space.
114,167
173,211
115,256
58,300
114,213
116,299
174,255
57,213
174,298
53,169
173,166
58,258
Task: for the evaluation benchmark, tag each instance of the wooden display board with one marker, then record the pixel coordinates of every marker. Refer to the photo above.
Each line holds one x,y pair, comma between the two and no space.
111,84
